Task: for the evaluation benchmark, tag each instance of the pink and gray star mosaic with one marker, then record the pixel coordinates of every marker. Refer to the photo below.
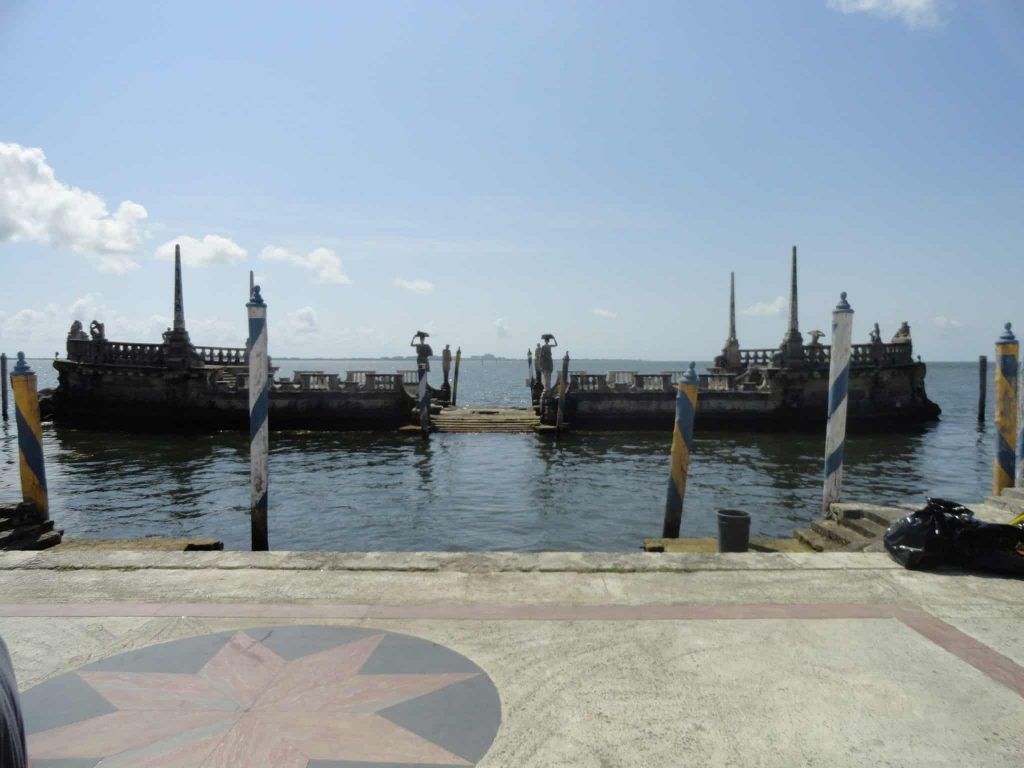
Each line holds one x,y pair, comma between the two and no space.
277,697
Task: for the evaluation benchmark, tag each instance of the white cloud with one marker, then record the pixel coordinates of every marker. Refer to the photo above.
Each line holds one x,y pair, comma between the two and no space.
415,286
946,322
36,207
502,328
607,313
325,262
212,249
301,321
766,309
916,14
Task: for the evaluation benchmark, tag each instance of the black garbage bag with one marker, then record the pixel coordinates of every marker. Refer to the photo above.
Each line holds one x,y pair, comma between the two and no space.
947,533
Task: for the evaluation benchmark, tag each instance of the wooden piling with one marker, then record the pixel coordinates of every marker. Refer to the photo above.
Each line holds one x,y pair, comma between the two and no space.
982,386
3,385
423,398
682,440
563,394
455,377
838,386
259,428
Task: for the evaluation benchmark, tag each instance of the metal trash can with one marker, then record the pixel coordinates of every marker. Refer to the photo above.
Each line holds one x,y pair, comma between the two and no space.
733,530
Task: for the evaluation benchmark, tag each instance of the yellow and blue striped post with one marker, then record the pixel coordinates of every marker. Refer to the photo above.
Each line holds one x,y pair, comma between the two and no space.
838,389
1006,410
30,437
259,427
455,377
563,394
682,444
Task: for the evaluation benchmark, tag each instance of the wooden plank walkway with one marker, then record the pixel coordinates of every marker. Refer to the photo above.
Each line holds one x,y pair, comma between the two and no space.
486,420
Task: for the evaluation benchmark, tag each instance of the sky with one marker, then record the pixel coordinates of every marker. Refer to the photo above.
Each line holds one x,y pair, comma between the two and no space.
489,172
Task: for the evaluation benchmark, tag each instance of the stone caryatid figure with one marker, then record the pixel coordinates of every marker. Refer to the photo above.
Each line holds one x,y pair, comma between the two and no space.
547,363
96,331
423,350
902,335
876,335
446,362
77,333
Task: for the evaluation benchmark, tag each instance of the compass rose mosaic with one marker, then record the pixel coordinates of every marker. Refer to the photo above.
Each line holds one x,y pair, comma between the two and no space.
274,697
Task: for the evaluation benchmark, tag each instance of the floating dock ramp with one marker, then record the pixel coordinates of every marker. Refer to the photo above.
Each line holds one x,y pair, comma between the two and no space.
486,420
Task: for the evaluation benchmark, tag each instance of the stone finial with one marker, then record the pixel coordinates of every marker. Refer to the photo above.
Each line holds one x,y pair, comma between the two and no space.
1007,334
21,368
690,377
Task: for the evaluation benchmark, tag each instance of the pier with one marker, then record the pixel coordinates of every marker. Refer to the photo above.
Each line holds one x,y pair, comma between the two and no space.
486,420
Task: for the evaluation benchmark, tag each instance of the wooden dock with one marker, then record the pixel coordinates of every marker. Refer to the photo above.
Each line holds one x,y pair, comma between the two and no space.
486,420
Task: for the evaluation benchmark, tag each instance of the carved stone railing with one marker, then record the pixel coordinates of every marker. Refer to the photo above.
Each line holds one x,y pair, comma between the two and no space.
115,352
674,377
223,355
619,380
653,382
757,356
410,377
385,382
588,382
359,378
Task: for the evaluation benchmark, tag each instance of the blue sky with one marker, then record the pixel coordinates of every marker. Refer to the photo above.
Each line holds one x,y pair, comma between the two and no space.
490,172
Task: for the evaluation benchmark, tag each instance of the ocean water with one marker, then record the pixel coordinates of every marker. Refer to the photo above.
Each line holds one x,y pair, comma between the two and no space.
523,492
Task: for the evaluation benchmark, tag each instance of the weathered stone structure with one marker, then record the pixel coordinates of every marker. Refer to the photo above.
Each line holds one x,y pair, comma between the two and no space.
177,386
777,389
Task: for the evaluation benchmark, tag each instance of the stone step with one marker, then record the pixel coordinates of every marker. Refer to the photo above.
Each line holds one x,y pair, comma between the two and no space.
846,539
814,540
990,513
1013,505
877,513
6,524
1015,493
867,528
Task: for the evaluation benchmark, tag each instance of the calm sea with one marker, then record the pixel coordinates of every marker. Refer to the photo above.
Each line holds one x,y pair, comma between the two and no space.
489,492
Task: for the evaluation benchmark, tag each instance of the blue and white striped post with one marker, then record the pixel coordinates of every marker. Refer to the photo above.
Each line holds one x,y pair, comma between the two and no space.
838,388
423,396
563,394
1007,349
682,441
31,464
259,427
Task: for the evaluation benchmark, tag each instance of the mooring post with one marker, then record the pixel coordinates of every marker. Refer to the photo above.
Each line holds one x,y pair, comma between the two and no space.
455,377
529,372
682,441
3,383
1003,472
563,394
423,397
982,385
838,386
30,437
1018,480
259,427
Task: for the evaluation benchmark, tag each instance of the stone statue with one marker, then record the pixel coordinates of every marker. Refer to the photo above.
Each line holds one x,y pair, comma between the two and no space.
446,362
77,333
876,335
96,331
423,350
903,334
547,363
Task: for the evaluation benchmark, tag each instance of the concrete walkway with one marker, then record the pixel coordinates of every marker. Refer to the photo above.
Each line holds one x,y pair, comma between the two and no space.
782,659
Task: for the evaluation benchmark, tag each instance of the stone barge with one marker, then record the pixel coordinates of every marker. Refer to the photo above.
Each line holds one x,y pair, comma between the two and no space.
774,389
179,387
